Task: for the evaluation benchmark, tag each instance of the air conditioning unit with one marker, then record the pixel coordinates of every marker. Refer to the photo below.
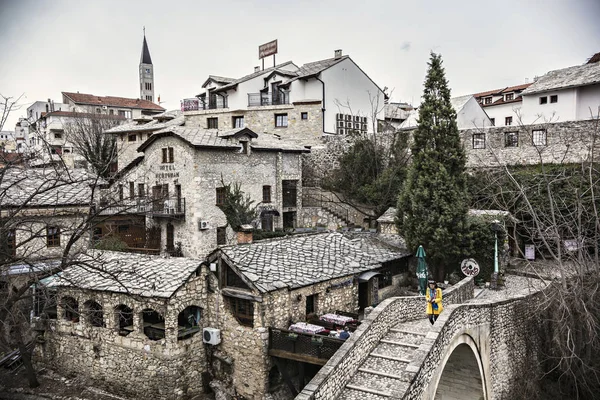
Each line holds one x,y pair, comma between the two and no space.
202,225
105,107
211,336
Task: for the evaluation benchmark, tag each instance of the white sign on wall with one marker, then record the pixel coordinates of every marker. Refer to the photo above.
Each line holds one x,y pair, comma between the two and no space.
529,252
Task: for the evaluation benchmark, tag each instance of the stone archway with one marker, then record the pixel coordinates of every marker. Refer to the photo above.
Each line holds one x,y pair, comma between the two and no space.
461,374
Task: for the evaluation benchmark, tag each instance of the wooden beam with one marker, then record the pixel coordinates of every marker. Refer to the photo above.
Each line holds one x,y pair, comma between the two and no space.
297,357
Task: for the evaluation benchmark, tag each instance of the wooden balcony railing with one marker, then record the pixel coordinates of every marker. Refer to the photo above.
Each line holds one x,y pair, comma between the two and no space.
306,347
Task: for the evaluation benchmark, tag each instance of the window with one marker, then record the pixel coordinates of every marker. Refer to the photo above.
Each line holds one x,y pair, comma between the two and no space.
511,139
266,194
93,313
70,308
281,120
111,112
311,304
141,190
168,155
543,100
237,122
289,193
509,97
508,121
148,86
131,190
149,98
147,70
212,123
493,121
304,115
386,279
539,137
479,140
221,235
57,135
98,110
220,196
487,100
132,138
188,322
125,113
554,98
242,310
120,192
52,236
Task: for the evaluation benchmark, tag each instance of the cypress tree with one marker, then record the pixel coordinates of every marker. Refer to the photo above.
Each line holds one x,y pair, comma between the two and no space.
433,204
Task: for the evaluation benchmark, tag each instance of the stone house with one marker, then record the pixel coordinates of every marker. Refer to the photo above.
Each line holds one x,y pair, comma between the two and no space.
177,185
272,283
131,321
386,223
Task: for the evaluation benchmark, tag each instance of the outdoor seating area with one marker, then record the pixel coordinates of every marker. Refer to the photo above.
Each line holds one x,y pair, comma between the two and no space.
335,321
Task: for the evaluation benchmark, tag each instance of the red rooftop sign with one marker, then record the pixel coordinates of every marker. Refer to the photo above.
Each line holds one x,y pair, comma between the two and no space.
267,49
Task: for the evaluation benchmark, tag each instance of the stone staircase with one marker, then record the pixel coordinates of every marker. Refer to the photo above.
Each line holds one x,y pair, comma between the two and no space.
382,374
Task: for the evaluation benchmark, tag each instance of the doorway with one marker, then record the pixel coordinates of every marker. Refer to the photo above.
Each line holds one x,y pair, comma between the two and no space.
364,298
170,238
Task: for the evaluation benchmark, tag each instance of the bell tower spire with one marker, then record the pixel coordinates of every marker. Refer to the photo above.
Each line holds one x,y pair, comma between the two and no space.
146,72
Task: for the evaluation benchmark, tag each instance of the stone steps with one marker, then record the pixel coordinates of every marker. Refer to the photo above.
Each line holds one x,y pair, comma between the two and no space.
383,374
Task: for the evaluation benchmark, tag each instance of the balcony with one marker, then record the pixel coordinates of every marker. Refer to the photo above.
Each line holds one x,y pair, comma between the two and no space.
165,207
196,104
305,347
268,99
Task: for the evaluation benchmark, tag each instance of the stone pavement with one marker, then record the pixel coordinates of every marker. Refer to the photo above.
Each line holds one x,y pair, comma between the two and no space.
383,372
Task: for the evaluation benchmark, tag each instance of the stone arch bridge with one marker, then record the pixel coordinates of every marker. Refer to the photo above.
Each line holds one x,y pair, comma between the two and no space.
476,350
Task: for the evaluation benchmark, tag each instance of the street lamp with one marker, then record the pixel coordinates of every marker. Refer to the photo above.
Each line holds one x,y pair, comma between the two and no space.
496,227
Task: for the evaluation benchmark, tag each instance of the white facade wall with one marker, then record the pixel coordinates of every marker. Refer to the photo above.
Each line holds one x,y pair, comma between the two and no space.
588,102
564,110
501,111
349,91
472,115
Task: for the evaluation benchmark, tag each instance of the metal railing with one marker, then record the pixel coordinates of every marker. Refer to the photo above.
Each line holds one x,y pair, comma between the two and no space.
319,200
161,206
305,344
196,104
268,99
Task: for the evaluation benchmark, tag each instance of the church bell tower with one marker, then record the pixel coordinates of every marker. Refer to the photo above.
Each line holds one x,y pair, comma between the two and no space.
146,73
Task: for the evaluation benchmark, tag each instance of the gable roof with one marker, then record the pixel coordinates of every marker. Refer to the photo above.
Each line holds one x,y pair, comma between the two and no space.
296,261
579,75
381,247
145,58
136,274
156,123
311,69
111,101
31,187
389,216
508,89
235,82
217,79
213,138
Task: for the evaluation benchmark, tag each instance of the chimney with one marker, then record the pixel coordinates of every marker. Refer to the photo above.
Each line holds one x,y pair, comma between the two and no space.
244,235
337,53
257,68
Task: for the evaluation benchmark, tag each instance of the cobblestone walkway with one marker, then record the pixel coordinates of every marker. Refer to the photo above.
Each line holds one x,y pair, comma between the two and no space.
383,372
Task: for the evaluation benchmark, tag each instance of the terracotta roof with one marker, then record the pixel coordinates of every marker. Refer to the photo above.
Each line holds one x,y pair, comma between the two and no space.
507,89
111,101
81,115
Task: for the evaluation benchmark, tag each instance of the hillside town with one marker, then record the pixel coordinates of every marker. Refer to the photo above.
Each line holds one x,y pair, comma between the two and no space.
292,233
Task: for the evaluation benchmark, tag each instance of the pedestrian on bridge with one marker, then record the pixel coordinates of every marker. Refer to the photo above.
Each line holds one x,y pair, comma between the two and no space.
434,301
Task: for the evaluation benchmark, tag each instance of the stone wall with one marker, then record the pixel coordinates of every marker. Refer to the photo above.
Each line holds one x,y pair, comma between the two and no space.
566,142
334,376
131,365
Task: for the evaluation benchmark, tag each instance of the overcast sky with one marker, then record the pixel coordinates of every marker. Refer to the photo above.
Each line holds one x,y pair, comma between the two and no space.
94,46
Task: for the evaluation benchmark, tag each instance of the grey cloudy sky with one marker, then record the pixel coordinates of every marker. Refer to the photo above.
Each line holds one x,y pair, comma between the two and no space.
94,46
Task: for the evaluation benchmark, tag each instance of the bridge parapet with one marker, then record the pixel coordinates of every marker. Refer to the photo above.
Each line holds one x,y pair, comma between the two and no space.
340,368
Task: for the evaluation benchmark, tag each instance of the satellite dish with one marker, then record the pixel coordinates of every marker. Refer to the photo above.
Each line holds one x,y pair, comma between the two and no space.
469,267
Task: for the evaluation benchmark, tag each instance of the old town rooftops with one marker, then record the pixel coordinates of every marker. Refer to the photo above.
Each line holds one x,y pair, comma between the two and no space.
45,188
135,274
299,260
379,246
213,138
111,101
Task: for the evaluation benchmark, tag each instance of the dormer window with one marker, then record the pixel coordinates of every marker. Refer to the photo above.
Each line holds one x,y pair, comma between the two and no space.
509,96
487,100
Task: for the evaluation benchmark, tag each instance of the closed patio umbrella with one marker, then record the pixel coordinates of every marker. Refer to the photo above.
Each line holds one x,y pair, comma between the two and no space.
421,270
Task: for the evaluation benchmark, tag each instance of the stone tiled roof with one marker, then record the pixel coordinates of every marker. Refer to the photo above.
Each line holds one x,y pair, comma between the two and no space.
111,101
157,123
381,247
314,68
235,82
136,274
218,79
579,75
299,260
388,216
200,137
43,188
397,111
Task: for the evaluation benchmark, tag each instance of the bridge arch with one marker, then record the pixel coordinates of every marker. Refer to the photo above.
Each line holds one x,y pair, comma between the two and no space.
461,374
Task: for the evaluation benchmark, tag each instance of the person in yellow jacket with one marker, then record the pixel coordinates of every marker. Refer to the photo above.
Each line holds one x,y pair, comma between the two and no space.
433,295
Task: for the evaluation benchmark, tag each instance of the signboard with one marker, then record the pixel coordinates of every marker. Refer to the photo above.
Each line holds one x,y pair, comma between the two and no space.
469,267
529,252
267,49
571,245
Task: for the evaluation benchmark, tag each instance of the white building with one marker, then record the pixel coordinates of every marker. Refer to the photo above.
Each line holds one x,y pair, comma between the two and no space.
502,105
568,94
347,96
469,114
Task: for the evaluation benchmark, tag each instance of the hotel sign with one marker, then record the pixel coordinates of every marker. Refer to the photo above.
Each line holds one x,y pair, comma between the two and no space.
267,49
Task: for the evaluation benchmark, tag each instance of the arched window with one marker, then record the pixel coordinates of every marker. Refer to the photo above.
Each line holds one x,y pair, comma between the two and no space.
154,324
124,319
93,313
71,309
188,322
